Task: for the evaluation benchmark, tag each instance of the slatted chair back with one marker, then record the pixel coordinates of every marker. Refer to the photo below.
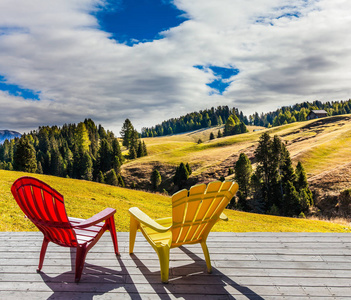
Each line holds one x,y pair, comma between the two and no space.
195,212
45,207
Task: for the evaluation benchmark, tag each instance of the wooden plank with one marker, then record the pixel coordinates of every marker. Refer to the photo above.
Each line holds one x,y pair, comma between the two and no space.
245,265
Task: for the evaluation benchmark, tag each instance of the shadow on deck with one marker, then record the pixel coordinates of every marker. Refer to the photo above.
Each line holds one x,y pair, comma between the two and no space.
245,266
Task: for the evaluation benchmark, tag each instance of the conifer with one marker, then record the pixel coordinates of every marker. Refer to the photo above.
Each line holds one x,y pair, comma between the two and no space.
155,178
24,158
144,149
127,132
111,178
243,173
219,134
181,175
188,168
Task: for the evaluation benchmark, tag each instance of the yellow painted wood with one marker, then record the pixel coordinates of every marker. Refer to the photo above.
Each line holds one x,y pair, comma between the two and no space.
194,213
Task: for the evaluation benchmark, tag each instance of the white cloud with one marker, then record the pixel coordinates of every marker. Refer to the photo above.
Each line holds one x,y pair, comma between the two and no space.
56,47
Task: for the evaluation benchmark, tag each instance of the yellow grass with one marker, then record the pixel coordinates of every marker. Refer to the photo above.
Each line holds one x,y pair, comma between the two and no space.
179,148
319,148
83,199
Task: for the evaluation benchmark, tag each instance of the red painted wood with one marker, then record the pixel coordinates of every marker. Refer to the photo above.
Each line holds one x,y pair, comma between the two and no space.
45,207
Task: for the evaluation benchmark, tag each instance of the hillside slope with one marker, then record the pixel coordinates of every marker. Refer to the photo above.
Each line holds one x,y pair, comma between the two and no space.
83,199
322,145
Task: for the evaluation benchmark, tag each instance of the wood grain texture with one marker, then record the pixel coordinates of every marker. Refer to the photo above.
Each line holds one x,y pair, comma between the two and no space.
245,266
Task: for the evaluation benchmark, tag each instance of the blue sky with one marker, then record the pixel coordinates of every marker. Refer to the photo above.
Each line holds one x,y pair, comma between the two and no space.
151,60
136,21
16,90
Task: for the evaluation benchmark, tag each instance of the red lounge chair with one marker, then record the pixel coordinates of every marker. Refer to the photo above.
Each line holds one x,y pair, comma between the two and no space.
45,207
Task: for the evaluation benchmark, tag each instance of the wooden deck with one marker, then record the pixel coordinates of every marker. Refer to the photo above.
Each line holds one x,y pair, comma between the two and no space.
246,266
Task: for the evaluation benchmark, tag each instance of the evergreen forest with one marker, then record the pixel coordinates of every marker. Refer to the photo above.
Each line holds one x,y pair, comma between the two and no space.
197,120
299,112
275,187
219,116
82,151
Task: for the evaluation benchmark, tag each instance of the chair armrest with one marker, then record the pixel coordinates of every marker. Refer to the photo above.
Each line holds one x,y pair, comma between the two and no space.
101,216
223,217
146,220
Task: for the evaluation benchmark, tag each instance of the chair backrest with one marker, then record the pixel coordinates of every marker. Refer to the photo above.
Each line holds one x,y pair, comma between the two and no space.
45,207
194,212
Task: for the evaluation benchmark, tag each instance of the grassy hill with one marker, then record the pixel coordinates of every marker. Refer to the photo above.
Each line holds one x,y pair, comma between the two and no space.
322,145
83,199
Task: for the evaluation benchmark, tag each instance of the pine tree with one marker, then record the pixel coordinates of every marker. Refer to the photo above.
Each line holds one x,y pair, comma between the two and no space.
120,180
144,149
212,137
229,126
304,200
132,153
263,157
301,184
133,145
274,169
301,178
116,165
140,152
87,167
155,178
101,177
127,132
9,166
188,168
258,203
219,134
116,150
24,157
105,158
39,168
68,158
111,178
181,175
57,164
291,205
243,173
82,138
242,128
288,172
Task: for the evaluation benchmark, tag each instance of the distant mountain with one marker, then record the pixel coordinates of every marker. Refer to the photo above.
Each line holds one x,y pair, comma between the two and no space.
8,134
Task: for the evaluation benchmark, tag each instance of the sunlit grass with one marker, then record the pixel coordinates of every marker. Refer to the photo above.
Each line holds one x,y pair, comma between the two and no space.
249,222
84,199
328,153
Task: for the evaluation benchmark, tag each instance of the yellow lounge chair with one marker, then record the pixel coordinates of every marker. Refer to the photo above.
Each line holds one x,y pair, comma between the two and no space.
194,213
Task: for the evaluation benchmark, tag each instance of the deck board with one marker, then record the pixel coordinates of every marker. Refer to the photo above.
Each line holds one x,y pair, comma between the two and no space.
245,266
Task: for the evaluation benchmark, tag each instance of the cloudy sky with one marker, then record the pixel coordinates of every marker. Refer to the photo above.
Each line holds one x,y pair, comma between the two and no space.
62,61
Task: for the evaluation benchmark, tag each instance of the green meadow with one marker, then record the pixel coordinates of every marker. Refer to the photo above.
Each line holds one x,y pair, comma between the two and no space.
84,199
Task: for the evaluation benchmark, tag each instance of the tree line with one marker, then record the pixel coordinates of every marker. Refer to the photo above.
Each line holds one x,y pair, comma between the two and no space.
219,116
299,112
193,121
82,151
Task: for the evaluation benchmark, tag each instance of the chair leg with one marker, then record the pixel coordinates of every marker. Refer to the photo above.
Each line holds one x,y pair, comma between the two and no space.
80,259
134,225
112,228
44,246
163,256
207,256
